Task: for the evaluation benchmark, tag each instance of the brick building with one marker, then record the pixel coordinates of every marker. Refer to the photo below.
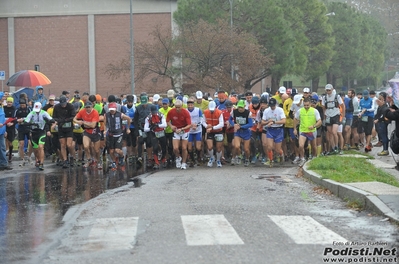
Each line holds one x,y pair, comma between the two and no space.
73,41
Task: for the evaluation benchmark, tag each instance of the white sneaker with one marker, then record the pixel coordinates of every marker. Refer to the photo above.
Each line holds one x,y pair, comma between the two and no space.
219,164
296,160
238,160
178,162
210,162
184,166
233,161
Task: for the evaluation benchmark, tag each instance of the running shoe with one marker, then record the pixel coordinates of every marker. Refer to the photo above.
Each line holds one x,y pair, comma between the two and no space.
296,160
113,166
246,162
383,153
218,163
121,161
178,162
210,162
100,166
253,160
184,166
268,163
41,167
233,161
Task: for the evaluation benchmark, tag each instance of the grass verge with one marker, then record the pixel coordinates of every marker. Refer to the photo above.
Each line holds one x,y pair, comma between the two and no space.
346,170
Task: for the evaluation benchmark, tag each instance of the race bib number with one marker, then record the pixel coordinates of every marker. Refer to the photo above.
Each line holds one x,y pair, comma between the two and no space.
241,120
365,118
142,134
219,137
160,134
67,125
327,120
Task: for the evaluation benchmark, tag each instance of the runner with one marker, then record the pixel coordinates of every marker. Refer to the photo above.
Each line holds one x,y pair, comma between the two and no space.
214,124
331,102
309,120
89,118
23,132
179,120
168,133
113,124
38,120
242,121
63,115
366,117
274,119
9,111
195,134
155,125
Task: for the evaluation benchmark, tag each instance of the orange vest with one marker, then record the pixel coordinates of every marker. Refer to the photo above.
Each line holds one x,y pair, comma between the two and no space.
253,113
213,119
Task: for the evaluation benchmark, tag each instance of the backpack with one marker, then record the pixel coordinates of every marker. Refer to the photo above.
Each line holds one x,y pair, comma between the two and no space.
394,142
335,100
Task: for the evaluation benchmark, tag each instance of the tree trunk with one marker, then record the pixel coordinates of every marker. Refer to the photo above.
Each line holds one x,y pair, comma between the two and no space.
275,84
333,80
315,84
328,77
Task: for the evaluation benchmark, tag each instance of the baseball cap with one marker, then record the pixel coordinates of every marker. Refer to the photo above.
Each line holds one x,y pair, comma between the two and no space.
155,98
63,100
306,90
212,106
144,99
294,91
372,92
273,101
248,94
228,103
255,100
51,97
154,109
263,100
165,101
37,107
241,103
329,87
179,97
199,95
65,92
22,101
77,96
88,104
297,99
315,97
282,90
112,107
366,93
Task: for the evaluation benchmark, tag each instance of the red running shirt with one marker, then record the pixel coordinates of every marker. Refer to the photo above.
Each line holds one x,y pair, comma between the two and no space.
92,117
179,118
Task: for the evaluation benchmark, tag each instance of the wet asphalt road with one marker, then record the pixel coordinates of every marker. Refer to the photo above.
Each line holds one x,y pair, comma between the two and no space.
33,202
37,227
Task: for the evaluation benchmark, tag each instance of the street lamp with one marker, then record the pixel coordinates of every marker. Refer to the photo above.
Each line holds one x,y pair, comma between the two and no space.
131,48
231,33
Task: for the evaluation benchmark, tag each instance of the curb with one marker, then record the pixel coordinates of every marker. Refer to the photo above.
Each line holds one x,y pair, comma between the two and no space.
368,200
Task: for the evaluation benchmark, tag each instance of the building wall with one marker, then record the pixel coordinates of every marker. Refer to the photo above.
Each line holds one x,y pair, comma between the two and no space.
4,49
59,45
113,44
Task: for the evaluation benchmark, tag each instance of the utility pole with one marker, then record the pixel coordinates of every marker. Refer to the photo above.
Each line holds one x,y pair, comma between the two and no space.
131,48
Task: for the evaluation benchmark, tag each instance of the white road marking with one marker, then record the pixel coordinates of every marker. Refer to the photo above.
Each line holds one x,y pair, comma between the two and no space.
306,230
112,234
204,230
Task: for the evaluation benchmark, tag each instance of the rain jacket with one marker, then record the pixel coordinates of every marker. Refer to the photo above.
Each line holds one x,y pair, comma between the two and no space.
39,97
2,120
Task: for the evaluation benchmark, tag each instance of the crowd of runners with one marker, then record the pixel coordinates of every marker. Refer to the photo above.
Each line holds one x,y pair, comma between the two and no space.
184,131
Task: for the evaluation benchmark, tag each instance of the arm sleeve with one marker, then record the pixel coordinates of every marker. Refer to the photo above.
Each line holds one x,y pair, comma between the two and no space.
221,124
163,122
146,125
